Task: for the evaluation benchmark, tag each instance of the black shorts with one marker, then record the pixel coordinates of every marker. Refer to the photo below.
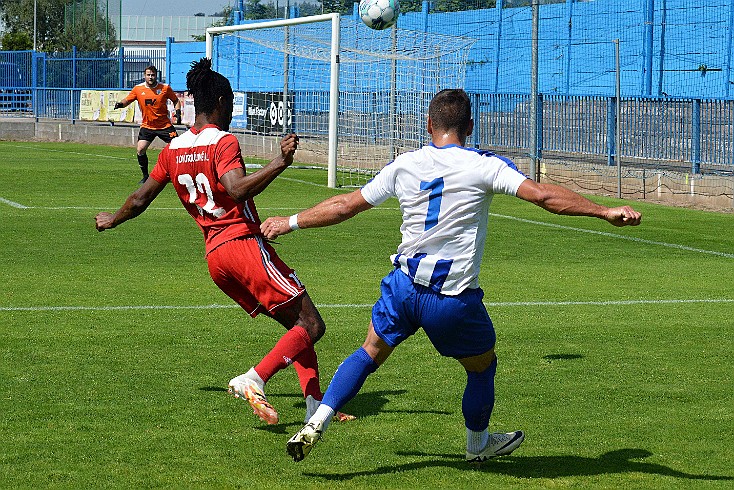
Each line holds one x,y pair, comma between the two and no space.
166,134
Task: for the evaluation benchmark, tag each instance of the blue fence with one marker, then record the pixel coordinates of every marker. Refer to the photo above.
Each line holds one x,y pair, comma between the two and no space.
76,69
669,48
676,56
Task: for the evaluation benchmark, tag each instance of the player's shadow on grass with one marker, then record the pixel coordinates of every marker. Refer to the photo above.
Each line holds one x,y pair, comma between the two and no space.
363,405
562,357
618,461
366,404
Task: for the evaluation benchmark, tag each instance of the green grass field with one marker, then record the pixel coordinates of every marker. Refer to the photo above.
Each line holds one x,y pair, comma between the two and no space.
615,346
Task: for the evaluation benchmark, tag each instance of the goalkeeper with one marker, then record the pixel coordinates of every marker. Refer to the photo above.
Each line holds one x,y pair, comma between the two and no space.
152,98
444,191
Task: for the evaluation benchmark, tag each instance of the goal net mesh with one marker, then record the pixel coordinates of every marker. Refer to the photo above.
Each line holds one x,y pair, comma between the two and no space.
281,80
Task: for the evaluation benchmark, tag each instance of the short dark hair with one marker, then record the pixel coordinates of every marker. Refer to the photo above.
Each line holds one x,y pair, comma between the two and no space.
206,86
151,68
450,110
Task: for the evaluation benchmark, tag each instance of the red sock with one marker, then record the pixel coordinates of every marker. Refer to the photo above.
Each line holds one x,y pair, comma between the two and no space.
307,367
290,346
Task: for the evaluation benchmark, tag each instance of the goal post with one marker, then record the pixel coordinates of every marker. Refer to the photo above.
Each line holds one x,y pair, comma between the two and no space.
333,74
356,96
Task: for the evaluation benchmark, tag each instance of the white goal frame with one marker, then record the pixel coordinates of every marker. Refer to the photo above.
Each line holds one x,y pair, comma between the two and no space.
334,18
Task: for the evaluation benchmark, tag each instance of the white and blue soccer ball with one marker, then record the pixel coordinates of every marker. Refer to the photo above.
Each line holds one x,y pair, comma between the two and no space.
379,14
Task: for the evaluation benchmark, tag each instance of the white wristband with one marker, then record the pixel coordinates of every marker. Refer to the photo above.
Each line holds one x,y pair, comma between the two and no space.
293,222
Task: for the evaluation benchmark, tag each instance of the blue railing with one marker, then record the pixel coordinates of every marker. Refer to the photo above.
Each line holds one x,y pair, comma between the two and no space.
692,133
684,132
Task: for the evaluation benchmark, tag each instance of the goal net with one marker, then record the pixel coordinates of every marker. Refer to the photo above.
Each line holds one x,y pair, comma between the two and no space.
357,97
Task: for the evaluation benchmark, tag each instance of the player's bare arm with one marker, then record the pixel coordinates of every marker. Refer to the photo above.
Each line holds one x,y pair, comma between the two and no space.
559,200
134,205
242,186
328,212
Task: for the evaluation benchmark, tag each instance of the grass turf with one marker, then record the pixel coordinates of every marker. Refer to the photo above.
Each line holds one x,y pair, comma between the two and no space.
614,346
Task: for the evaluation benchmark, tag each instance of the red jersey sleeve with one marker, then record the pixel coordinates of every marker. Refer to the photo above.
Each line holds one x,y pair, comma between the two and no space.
228,155
160,170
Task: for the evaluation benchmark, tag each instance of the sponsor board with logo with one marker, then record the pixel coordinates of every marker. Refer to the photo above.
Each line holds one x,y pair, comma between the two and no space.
265,113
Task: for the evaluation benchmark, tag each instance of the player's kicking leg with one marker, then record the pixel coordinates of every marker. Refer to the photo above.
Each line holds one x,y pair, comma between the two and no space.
346,383
249,386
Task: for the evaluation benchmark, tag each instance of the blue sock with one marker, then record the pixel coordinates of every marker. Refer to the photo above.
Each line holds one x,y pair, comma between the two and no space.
478,400
348,379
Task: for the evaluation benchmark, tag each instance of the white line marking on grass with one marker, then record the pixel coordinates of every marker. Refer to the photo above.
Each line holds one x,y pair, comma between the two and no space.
339,306
92,208
290,179
13,203
111,157
614,235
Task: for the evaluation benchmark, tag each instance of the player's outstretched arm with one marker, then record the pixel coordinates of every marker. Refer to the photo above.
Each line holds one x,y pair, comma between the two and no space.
560,200
242,186
328,212
134,205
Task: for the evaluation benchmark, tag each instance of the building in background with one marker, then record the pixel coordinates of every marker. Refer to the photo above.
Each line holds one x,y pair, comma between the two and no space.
143,38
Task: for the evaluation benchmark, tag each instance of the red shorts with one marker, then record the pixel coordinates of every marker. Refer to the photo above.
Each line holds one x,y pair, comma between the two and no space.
249,271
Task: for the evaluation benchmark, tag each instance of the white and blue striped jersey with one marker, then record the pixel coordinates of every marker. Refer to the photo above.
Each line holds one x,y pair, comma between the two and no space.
444,195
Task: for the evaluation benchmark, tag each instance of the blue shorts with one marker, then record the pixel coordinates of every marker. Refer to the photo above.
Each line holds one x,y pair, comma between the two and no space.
457,326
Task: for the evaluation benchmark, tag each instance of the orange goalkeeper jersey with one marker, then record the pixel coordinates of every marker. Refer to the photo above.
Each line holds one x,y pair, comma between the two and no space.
153,104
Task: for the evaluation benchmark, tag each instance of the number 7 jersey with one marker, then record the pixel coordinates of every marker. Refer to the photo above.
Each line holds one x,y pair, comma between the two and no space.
194,163
444,195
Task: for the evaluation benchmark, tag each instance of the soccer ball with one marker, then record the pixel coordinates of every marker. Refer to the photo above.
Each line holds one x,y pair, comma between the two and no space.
379,14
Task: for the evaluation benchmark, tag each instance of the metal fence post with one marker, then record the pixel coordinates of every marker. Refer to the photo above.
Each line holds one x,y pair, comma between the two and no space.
121,54
534,163
73,67
499,6
729,39
611,131
73,84
477,114
618,117
696,137
169,41
539,124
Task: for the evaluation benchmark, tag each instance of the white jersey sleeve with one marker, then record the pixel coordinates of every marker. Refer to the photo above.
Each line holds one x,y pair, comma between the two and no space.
380,188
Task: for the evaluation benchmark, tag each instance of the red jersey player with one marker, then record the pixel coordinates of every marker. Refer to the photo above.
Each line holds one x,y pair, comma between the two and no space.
205,167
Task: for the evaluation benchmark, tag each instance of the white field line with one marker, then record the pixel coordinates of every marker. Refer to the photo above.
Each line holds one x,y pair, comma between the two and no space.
508,304
49,150
299,181
13,204
540,223
614,235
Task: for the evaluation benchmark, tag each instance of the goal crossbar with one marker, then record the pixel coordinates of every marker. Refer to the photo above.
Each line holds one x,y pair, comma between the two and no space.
334,18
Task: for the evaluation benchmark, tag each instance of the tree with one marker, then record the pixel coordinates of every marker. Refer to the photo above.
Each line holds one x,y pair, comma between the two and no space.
340,6
308,9
87,27
225,14
16,41
89,30
461,5
254,10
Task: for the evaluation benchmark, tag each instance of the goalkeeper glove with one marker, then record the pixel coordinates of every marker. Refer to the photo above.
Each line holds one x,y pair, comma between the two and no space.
178,116
118,105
